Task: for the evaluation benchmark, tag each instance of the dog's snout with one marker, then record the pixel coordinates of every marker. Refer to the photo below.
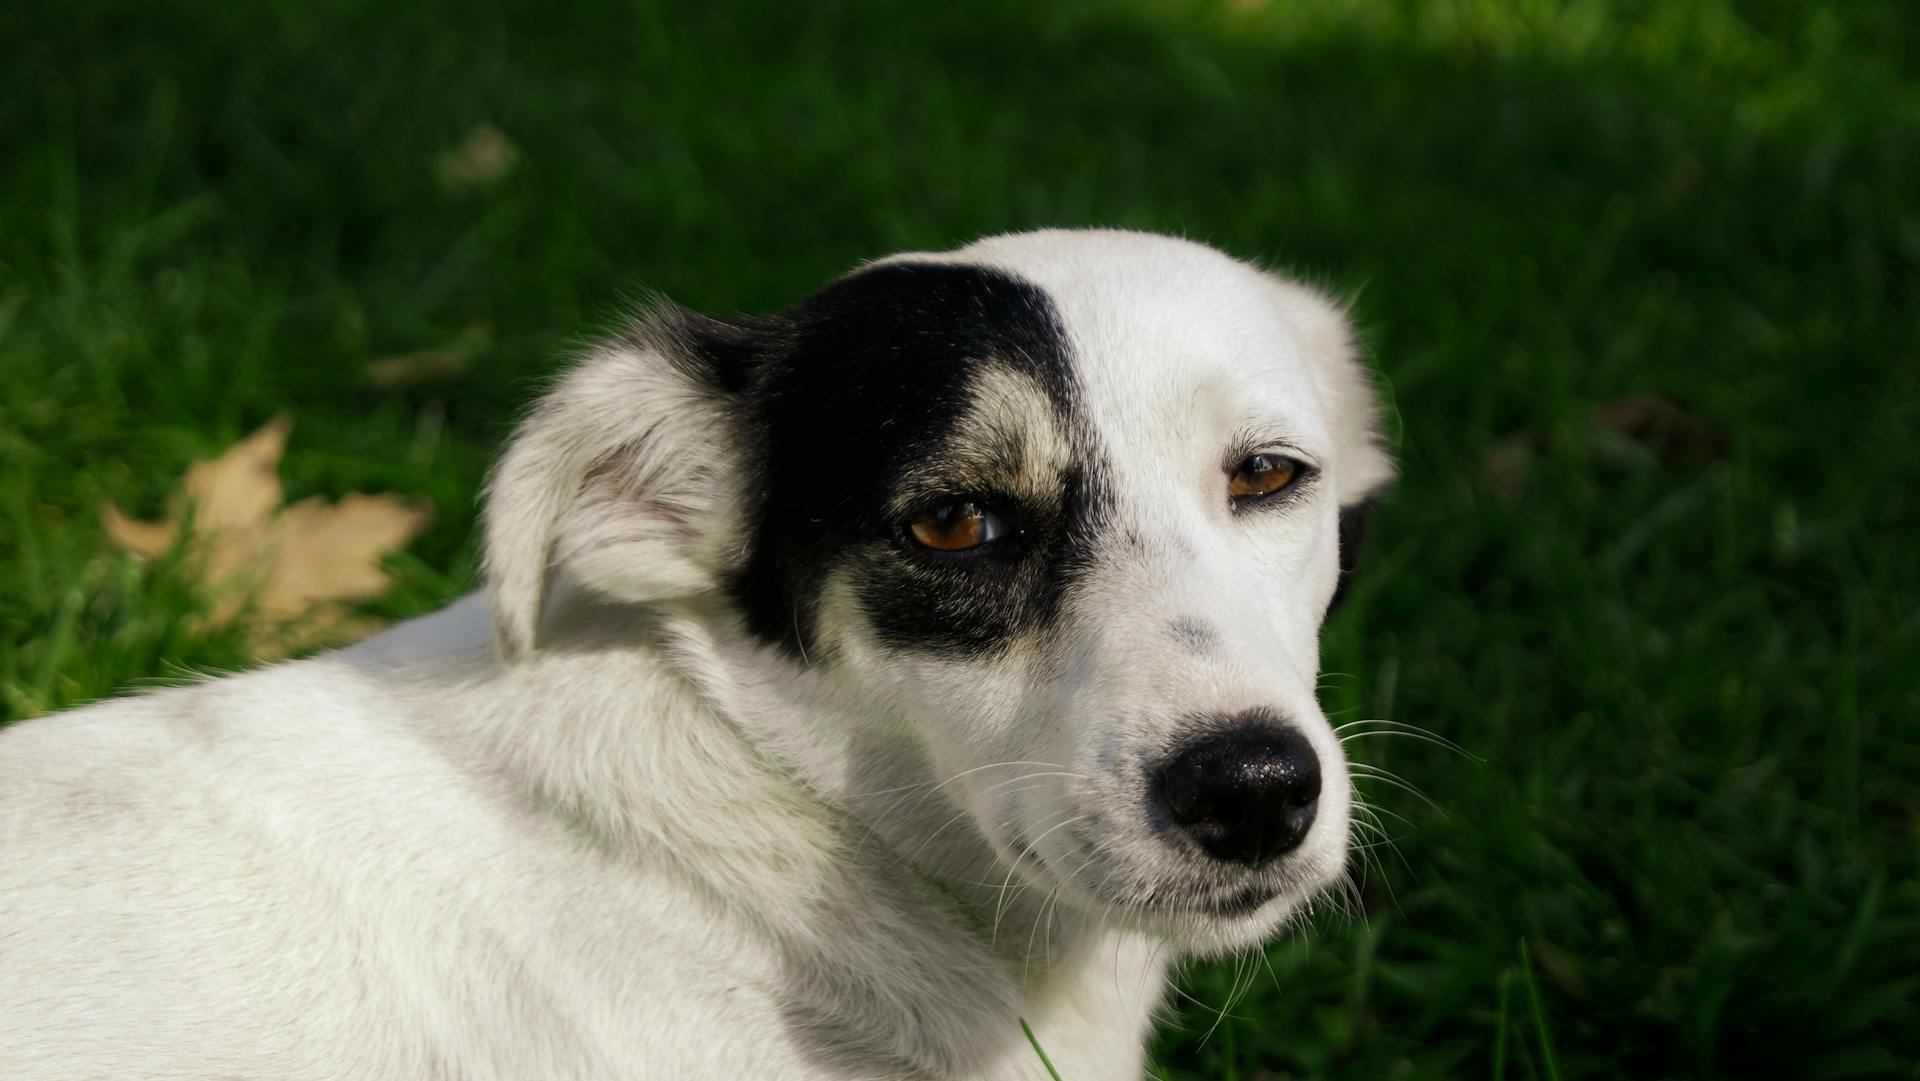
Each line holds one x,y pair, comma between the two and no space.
1245,797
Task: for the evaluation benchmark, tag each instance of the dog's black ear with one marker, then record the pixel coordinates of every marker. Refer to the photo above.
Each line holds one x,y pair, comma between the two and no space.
1361,467
627,475
1353,537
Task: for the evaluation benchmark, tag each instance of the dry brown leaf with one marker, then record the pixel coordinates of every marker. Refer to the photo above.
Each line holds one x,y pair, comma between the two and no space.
293,574
1634,431
403,370
1665,429
331,551
143,539
480,159
1508,464
398,371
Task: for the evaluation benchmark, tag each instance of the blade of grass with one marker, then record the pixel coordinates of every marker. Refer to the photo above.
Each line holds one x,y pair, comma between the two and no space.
1500,1027
1035,1041
1550,1062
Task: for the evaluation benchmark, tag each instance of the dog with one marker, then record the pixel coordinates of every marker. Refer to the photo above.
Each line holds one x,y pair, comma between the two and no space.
853,691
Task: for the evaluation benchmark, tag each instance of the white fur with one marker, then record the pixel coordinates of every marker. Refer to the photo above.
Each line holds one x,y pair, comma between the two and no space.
599,831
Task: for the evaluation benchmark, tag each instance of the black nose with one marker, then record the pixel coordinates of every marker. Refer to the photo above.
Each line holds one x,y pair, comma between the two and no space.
1246,797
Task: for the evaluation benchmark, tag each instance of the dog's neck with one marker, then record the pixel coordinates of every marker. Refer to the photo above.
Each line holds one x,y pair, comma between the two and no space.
648,728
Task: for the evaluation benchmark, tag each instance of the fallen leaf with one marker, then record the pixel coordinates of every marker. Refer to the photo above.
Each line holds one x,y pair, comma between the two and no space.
1635,431
1509,463
1556,969
331,551
397,371
1664,429
403,370
143,539
1682,178
291,576
480,159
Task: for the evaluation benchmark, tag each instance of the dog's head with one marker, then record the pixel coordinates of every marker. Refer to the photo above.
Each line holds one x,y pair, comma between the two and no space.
1064,507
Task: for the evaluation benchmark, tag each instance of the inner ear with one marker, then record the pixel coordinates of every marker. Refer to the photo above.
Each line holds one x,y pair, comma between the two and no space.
626,478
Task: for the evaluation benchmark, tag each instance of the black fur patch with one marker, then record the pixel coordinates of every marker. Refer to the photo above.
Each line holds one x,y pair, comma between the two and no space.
860,387
721,354
1353,537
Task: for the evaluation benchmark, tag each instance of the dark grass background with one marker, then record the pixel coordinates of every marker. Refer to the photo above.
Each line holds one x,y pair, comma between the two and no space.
1685,648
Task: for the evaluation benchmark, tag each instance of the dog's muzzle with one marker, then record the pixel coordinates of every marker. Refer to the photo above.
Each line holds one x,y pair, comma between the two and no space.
1245,793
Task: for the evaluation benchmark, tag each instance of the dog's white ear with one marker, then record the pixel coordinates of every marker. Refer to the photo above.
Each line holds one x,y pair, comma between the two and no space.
625,477
1362,467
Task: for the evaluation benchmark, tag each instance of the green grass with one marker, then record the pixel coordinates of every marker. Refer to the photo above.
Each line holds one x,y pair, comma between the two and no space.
1688,674
1039,1052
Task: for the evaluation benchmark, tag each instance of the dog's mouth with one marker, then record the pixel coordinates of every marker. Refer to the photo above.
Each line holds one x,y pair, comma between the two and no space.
1098,861
1237,903
1168,900
1188,901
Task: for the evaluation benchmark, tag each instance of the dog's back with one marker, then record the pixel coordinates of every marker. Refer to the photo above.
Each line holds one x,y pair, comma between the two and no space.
288,874
171,902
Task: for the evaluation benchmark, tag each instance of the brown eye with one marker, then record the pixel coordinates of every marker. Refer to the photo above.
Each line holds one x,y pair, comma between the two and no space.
1261,474
955,526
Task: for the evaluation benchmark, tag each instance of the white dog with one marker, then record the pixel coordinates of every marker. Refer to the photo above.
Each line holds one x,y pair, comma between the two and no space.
849,686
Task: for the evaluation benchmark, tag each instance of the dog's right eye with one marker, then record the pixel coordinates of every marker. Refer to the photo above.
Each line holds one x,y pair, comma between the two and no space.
955,526
1262,475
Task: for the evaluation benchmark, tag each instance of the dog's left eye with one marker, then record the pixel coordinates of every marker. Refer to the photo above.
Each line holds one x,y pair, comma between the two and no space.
955,526
1262,474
